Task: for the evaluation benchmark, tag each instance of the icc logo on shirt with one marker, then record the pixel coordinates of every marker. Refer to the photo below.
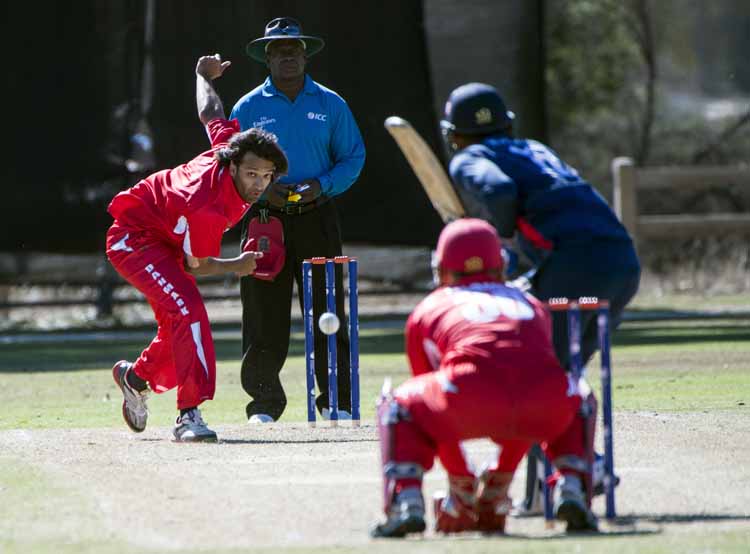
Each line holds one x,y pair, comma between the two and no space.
317,116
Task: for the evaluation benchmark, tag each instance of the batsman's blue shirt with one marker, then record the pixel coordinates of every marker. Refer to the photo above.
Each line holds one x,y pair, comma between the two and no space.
554,206
317,132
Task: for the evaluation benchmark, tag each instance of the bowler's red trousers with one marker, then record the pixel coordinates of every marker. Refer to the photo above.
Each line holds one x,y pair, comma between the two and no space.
514,407
182,353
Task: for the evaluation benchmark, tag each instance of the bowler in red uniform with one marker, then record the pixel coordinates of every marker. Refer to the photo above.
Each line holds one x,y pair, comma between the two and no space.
167,229
484,367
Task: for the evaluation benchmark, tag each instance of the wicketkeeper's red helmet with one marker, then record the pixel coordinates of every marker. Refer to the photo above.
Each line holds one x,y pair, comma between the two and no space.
469,247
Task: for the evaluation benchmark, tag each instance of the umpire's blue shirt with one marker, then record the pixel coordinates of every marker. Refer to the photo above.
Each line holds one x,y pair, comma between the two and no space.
317,132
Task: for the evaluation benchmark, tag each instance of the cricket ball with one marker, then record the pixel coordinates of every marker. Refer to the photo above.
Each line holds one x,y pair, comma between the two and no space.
328,323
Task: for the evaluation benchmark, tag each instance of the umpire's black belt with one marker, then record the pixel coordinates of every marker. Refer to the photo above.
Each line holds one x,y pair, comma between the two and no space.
298,209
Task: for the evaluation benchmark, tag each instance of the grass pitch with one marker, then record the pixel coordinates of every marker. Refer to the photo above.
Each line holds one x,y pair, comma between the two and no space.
67,462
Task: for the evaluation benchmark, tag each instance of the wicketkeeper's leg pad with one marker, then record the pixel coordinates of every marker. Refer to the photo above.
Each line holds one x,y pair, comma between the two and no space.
406,453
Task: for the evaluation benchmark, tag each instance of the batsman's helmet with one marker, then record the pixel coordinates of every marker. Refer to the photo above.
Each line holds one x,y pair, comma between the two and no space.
475,109
470,248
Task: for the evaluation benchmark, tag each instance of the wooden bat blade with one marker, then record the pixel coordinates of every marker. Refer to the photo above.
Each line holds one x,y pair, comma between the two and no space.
427,168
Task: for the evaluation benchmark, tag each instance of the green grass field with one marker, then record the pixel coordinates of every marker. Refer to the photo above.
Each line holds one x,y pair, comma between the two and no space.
678,367
661,366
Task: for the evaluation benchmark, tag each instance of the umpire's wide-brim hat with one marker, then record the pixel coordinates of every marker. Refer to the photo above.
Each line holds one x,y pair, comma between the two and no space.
283,28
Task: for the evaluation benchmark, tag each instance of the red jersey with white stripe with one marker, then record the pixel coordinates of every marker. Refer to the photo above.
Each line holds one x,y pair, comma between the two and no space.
190,206
488,325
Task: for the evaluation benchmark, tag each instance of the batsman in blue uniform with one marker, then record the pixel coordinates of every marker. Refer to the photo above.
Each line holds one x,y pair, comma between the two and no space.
576,243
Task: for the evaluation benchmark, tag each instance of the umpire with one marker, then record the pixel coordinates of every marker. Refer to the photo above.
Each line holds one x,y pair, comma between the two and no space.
316,129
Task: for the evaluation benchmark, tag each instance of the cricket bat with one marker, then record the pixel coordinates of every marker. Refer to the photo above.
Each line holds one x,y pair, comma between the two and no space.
427,168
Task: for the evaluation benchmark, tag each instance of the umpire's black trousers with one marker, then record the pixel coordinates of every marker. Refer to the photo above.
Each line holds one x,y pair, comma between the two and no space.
266,312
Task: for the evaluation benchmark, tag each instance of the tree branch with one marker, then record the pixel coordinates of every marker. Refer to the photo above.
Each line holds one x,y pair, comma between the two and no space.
712,146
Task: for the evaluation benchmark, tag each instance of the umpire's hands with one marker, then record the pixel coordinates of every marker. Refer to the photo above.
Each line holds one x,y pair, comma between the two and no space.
276,194
308,190
211,67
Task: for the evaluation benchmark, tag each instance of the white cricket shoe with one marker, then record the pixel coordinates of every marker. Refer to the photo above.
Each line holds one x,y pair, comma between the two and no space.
134,408
325,413
190,427
260,418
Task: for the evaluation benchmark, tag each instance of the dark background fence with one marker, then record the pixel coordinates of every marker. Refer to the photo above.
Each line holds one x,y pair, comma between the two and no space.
89,76
86,81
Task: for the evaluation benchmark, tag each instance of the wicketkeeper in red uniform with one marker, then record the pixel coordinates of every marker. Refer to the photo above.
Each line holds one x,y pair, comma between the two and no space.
484,367
167,229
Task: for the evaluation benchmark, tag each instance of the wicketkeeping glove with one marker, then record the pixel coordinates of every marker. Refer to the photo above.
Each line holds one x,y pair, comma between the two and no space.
492,500
454,510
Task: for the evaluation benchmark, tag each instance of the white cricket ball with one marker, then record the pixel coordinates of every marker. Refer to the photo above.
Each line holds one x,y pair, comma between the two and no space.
329,323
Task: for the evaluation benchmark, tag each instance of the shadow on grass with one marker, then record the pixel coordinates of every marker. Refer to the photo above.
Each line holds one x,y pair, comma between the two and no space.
295,441
681,333
627,525
601,534
679,518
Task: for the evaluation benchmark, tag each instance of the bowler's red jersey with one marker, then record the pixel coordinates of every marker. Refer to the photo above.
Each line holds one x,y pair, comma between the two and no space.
190,206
